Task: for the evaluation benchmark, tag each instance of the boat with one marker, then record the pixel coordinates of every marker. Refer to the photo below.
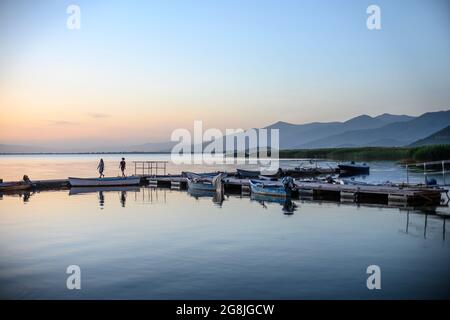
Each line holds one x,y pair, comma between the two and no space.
255,174
104,182
200,183
309,172
14,186
353,168
281,188
242,173
193,175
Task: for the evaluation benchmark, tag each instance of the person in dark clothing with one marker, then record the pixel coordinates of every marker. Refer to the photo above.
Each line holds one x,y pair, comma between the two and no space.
101,168
123,166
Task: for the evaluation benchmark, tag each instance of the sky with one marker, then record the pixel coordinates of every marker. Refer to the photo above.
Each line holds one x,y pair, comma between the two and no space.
137,70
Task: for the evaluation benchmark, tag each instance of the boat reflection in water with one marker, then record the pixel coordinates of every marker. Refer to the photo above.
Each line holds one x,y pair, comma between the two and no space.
23,194
288,206
101,190
217,197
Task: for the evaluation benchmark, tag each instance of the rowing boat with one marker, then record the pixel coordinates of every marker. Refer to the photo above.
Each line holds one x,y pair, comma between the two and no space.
104,182
199,183
275,189
14,186
353,168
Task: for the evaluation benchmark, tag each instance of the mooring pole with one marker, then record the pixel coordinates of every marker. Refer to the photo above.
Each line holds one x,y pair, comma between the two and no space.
425,171
443,172
407,174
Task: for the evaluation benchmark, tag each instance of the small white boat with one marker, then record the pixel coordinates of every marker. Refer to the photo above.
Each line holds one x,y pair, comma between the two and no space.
104,182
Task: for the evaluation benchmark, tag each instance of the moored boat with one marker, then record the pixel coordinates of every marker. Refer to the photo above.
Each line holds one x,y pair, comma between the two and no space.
354,168
14,186
281,188
104,182
242,173
200,183
255,174
193,175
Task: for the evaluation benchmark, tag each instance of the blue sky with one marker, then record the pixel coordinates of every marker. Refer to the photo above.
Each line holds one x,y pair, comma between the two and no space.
148,67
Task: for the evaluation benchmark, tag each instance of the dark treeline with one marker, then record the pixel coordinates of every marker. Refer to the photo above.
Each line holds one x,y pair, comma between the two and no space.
425,153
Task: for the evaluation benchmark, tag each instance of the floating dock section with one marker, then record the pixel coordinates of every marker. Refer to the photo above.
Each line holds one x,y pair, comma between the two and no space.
392,195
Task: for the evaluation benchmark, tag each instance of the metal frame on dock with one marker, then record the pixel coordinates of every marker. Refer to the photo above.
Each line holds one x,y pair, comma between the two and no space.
425,172
147,167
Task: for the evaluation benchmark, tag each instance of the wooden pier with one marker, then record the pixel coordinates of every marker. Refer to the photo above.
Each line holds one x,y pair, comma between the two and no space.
401,195
392,195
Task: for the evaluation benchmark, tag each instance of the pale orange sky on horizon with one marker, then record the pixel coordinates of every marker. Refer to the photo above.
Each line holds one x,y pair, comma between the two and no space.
134,73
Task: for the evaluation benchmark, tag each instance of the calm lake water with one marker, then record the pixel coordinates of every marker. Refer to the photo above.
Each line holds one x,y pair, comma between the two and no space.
146,243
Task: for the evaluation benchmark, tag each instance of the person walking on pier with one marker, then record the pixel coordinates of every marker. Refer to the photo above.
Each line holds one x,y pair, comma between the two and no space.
101,168
123,166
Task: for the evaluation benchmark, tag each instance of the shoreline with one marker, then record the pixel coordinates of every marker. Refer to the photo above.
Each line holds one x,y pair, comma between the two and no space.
399,154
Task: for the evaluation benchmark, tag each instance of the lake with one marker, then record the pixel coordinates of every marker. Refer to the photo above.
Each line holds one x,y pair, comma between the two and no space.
152,243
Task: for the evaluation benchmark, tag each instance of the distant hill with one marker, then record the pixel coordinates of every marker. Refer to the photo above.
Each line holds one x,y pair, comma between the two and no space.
440,137
390,118
393,134
295,135
386,130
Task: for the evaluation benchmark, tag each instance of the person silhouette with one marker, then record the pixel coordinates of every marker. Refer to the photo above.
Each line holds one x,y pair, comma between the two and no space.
101,168
122,166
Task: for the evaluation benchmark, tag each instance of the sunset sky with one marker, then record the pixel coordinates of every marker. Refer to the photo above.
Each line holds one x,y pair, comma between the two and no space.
136,70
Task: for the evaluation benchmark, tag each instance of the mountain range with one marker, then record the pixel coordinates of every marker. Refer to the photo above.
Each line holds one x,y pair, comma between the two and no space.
440,137
385,130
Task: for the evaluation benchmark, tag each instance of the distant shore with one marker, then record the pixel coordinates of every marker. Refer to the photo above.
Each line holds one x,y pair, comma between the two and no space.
403,154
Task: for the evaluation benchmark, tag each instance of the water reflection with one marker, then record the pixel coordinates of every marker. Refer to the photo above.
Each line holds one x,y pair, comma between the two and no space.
123,198
25,195
288,206
101,199
217,197
101,193
353,176
418,225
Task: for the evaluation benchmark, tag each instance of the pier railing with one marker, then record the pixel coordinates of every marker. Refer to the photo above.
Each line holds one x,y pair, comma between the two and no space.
149,168
430,168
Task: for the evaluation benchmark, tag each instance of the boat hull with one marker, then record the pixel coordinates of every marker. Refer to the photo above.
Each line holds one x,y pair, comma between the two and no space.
271,189
348,168
14,186
248,173
104,182
200,185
